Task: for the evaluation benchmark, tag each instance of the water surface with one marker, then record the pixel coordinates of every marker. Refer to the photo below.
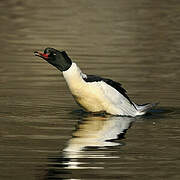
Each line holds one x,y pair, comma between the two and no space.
44,134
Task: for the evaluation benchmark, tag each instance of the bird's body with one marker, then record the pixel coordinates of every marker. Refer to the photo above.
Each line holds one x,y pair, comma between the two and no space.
97,96
93,93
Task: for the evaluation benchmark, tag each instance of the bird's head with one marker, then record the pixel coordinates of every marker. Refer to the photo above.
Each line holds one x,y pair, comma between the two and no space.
59,59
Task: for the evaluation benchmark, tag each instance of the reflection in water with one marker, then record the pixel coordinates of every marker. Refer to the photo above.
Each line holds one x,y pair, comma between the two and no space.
95,131
89,144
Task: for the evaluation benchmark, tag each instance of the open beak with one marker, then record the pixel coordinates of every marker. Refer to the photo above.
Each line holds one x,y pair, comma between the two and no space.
40,54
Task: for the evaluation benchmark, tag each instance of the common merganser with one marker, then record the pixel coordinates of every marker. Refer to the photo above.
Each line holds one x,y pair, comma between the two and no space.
93,93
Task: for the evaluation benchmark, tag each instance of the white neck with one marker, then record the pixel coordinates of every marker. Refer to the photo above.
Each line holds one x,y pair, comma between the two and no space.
73,76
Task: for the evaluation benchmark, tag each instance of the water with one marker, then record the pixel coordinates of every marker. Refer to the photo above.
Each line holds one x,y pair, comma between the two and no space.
44,134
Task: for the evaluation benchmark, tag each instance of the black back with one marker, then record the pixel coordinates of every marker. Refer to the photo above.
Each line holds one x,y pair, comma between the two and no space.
115,85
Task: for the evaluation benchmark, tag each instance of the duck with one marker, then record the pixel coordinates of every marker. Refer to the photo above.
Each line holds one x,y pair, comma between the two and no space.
93,93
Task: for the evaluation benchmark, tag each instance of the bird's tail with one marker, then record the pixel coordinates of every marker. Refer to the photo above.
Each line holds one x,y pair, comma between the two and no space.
144,108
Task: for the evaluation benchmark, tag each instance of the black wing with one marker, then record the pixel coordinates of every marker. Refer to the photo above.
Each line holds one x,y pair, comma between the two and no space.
115,85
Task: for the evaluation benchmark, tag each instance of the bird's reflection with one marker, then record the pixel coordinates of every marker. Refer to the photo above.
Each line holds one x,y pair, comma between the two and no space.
95,131
92,142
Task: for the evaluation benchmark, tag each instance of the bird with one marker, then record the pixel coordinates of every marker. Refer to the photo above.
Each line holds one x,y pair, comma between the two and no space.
93,93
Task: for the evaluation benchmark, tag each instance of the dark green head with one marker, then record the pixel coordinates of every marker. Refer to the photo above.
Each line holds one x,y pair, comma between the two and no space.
59,59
